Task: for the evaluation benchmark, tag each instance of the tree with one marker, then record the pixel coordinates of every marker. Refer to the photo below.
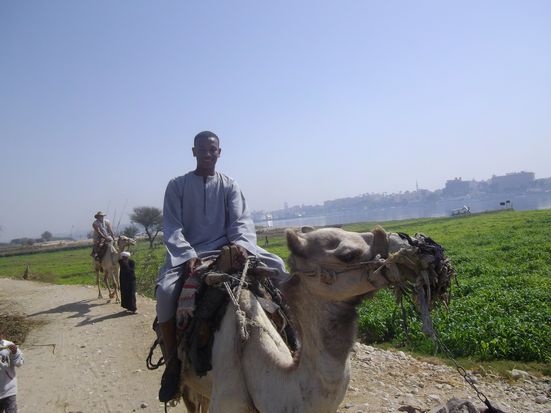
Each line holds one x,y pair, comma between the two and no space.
130,231
46,236
22,241
151,219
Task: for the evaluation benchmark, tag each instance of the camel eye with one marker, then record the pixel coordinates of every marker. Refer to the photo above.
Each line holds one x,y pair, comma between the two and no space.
349,255
332,244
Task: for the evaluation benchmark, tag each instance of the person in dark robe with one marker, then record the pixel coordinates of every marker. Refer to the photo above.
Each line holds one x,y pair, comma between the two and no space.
128,282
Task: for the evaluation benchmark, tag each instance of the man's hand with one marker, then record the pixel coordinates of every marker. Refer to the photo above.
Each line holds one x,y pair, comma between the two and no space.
232,258
242,255
191,265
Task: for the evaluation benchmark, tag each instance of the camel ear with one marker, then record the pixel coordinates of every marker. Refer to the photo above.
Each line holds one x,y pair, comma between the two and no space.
296,243
380,242
307,229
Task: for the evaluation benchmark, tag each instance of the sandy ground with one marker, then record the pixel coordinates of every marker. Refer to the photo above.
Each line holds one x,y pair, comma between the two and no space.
98,363
89,356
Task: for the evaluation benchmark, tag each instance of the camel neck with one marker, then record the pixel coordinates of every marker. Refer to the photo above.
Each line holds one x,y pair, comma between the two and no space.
324,327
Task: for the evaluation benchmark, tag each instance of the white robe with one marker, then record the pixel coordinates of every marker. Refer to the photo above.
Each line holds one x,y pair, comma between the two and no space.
200,216
8,363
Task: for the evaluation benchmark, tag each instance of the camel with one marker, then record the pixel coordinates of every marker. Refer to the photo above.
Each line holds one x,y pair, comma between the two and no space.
124,242
110,265
332,272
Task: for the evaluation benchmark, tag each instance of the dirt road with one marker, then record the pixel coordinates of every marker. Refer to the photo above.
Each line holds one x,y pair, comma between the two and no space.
98,362
89,356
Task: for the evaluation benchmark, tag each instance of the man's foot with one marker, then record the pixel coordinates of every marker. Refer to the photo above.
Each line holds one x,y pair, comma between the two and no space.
170,382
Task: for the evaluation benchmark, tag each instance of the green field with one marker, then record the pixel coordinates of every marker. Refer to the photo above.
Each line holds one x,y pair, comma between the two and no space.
501,309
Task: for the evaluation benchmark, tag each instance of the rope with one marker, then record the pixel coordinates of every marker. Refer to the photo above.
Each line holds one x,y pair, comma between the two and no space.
149,360
370,268
241,316
461,370
242,280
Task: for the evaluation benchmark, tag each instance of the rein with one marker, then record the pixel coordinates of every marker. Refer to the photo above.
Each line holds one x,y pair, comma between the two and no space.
328,272
331,270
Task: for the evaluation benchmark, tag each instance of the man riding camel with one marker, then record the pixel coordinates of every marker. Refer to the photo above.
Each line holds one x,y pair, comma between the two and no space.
203,211
103,233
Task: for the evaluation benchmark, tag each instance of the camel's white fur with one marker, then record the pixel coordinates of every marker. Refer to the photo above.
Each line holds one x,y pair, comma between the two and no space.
260,374
110,265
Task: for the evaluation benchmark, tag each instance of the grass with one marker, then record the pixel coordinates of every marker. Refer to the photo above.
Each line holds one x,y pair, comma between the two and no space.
60,267
502,307
14,326
500,311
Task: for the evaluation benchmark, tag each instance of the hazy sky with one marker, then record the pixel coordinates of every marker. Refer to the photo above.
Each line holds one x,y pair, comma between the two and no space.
312,100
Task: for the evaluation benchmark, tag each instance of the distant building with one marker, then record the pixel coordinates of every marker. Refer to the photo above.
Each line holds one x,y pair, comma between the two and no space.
515,181
422,199
457,187
543,184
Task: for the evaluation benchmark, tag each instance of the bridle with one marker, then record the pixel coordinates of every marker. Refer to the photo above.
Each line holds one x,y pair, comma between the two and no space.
328,272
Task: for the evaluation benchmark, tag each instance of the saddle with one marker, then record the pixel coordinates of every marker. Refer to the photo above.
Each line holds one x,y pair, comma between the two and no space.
99,250
211,301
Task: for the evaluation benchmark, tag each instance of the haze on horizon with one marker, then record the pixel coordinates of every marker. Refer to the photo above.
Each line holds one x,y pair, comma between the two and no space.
99,101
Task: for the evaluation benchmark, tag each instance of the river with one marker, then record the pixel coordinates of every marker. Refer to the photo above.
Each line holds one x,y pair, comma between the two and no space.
440,208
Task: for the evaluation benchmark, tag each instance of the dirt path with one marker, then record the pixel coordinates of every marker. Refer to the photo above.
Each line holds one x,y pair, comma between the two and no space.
99,363
99,360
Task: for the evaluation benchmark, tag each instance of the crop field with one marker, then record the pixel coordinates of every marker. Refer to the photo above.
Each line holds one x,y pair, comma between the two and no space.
76,266
500,309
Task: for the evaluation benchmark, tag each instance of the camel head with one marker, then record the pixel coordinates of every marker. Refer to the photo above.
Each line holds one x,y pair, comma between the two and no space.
334,245
124,242
333,262
339,265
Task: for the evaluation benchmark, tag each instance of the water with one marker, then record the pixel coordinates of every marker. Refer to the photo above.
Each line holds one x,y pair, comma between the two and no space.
440,208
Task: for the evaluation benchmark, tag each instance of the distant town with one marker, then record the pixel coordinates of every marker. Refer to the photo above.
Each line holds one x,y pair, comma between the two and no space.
516,190
520,190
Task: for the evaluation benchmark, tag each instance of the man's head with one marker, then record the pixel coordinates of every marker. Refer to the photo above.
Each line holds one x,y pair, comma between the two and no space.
206,149
100,215
125,255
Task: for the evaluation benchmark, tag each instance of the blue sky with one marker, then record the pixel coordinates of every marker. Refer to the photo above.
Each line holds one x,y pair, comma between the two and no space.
312,100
